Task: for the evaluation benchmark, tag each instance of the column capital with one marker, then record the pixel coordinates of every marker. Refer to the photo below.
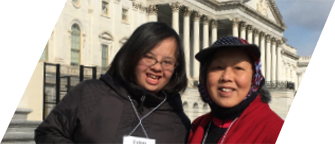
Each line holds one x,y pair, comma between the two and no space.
153,9
262,34
214,23
243,25
279,42
268,38
235,22
249,28
116,1
256,32
273,40
175,7
205,19
187,11
197,15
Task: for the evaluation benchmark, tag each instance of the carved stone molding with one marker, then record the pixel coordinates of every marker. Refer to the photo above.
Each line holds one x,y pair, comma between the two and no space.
175,7
153,9
290,54
22,6
205,19
250,28
268,38
214,24
136,6
243,25
262,34
235,22
197,15
240,5
186,11
256,32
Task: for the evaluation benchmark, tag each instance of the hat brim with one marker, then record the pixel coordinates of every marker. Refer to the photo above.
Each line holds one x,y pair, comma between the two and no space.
249,48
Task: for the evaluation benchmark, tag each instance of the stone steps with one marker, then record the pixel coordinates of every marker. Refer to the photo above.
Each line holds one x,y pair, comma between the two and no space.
18,138
20,131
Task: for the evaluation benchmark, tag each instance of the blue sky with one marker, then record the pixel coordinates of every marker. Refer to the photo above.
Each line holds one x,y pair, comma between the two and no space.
304,20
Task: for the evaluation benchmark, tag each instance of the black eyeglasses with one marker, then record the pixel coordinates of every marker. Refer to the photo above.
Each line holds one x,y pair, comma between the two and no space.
166,64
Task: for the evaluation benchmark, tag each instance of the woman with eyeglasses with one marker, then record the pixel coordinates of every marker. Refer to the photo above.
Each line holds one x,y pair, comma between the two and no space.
136,101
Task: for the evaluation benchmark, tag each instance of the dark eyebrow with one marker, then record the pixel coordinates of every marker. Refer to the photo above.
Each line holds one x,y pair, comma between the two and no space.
164,57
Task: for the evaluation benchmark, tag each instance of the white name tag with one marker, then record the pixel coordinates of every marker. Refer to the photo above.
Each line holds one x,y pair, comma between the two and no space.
137,140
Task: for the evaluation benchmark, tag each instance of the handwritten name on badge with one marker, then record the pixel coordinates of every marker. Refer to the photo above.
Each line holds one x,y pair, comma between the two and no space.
137,140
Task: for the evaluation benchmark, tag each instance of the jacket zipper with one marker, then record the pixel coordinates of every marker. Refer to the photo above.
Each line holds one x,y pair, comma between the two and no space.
142,103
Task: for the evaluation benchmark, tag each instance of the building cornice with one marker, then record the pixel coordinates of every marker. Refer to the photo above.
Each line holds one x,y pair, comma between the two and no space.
290,54
217,6
308,64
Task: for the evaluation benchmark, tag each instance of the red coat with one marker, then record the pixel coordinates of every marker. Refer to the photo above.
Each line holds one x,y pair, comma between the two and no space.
257,124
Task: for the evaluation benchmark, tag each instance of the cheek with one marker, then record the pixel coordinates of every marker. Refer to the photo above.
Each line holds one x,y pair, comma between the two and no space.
244,81
168,74
212,80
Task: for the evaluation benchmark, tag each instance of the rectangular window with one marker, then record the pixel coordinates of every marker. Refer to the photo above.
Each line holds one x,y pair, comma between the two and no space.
307,79
125,15
43,44
105,8
104,57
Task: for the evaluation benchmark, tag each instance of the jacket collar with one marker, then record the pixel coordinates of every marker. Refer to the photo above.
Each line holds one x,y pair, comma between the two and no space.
126,88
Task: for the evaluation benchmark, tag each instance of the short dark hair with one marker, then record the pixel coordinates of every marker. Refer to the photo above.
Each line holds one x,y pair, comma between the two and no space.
145,38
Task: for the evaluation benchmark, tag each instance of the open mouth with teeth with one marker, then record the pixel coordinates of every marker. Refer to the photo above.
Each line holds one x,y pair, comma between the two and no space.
226,91
152,79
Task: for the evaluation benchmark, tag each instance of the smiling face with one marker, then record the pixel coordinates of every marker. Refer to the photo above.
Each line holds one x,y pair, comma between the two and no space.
154,78
229,77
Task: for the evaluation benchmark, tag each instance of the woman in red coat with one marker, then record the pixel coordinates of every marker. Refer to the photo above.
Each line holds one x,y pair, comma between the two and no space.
232,84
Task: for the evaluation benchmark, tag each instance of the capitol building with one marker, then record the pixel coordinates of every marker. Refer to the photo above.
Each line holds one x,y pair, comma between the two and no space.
47,47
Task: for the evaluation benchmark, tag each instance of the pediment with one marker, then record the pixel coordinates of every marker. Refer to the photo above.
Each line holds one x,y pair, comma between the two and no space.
267,9
264,9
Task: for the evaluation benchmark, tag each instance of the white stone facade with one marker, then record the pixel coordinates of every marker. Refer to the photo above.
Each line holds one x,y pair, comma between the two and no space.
198,22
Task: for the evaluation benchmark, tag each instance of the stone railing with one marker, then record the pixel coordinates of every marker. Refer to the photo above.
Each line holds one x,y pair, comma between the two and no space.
280,85
309,59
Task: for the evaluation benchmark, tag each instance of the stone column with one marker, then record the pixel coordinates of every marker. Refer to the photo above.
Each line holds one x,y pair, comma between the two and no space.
153,13
273,61
196,30
214,31
235,27
256,36
243,27
186,39
250,30
262,46
279,61
268,58
175,15
205,36
299,80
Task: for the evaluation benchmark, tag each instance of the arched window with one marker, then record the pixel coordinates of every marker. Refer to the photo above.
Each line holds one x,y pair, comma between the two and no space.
75,45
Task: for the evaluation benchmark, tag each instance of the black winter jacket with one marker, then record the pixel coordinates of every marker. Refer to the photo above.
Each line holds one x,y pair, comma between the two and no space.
99,111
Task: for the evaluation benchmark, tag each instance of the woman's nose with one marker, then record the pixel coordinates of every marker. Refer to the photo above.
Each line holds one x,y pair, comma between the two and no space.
227,74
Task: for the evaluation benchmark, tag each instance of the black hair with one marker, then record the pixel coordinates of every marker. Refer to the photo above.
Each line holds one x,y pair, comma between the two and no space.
143,39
